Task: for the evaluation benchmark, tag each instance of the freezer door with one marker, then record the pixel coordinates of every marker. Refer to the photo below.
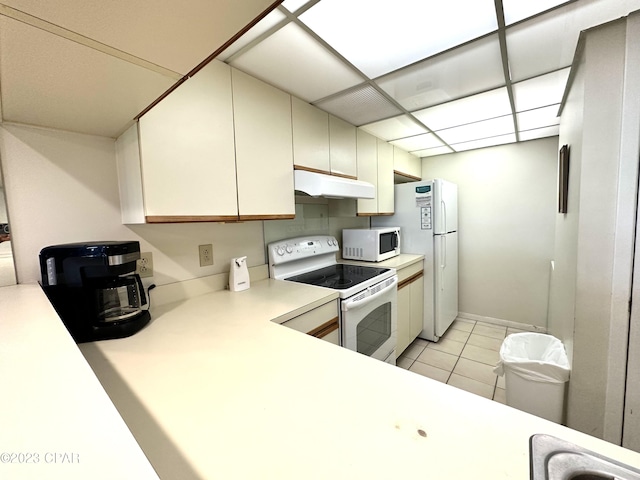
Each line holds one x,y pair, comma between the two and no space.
445,206
446,281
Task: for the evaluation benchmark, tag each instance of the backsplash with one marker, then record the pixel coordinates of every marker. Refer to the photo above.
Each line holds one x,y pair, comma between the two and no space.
316,216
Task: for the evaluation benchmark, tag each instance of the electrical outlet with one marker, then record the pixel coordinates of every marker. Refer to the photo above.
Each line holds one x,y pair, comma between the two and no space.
144,265
206,254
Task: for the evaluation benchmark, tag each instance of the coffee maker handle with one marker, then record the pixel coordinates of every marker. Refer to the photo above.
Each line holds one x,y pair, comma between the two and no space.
143,297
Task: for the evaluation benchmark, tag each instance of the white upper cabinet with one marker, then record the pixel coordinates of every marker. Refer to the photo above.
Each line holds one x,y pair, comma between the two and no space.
342,148
187,150
406,165
310,137
385,178
375,165
367,155
264,155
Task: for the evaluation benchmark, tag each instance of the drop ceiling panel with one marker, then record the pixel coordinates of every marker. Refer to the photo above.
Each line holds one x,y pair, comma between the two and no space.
470,69
295,62
516,10
418,142
485,142
393,128
539,117
293,5
271,20
175,36
540,91
379,37
482,106
475,131
360,106
432,152
539,133
548,42
50,81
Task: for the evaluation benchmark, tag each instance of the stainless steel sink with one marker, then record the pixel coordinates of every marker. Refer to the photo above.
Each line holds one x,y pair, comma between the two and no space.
556,459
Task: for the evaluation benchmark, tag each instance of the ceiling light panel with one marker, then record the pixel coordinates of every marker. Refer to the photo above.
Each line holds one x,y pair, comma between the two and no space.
271,20
379,37
482,106
293,5
295,62
516,10
360,106
539,133
432,152
539,117
540,91
470,69
548,42
394,128
418,142
475,131
485,142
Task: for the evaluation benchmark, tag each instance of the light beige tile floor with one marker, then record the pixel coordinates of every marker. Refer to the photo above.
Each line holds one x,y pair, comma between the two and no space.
464,358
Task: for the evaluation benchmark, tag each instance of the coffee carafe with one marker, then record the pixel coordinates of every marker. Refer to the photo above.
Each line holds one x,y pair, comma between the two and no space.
93,288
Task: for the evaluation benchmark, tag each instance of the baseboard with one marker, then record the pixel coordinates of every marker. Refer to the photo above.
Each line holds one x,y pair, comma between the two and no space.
501,322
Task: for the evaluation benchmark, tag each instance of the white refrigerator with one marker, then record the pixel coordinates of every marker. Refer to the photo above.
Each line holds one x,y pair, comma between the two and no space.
427,214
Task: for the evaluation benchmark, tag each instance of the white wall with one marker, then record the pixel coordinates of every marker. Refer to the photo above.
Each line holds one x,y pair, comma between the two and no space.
62,187
595,240
507,203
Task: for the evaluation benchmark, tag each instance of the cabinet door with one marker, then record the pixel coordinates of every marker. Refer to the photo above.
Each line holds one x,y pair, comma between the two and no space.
407,165
187,151
417,307
310,137
342,148
385,178
367,156
264,158
404,319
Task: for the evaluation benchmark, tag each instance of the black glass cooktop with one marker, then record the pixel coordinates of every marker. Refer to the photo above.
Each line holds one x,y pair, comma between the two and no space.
338,276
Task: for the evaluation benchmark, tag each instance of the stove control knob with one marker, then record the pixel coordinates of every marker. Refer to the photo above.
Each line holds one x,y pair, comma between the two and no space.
280,251
289,249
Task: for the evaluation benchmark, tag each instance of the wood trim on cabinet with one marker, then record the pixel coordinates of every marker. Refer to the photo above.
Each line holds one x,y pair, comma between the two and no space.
247,218
190,218
406,175
324,172
325,329
382,214
217,52
410,279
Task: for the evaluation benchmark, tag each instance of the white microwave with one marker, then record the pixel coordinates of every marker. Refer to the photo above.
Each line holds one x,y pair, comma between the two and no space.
370,245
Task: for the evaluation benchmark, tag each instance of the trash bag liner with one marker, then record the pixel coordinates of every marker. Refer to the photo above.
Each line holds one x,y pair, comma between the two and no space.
534,356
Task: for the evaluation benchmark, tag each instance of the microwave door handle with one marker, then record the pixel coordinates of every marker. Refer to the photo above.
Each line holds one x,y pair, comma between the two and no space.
359,303
396,243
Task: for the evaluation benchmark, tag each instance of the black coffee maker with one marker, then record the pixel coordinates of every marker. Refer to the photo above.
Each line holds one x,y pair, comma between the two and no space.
92,288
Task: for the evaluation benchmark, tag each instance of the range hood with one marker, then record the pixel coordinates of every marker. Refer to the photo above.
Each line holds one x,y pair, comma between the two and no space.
330,186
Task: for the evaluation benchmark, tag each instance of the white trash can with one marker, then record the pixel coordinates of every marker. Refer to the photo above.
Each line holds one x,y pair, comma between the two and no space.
536,370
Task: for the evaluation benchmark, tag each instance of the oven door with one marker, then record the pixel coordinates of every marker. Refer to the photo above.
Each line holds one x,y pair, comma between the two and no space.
369,320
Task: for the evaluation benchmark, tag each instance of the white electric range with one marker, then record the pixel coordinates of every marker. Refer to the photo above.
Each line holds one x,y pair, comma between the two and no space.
368,295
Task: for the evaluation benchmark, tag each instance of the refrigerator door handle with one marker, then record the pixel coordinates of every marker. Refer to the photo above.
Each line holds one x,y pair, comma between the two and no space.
443,209
443,259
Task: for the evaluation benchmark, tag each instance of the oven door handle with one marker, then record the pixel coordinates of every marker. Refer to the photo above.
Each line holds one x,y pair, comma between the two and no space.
355,302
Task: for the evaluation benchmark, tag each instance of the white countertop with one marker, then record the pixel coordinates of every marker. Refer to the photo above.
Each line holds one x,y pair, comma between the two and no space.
56,421
398,262
212,388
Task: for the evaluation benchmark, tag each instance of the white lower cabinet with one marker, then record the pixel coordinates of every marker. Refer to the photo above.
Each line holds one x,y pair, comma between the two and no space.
410,305
321,322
